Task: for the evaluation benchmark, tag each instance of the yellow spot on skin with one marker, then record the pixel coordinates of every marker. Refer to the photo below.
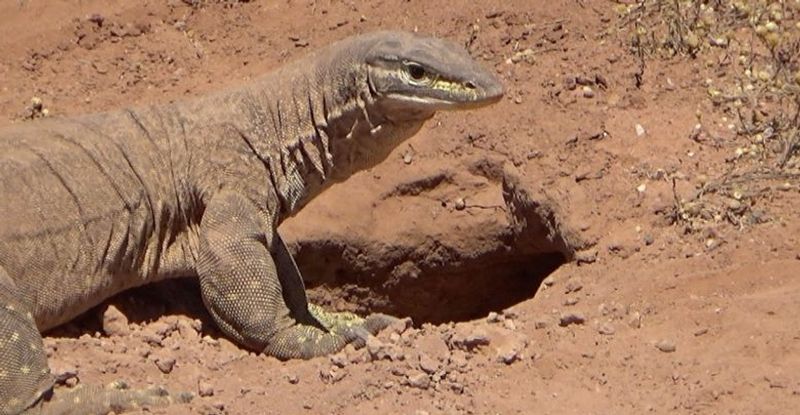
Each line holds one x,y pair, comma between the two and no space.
77,399
34,346
25,370
10,307
3,374
14,336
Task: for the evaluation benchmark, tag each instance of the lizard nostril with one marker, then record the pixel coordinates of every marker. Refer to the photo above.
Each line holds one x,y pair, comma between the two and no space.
470,85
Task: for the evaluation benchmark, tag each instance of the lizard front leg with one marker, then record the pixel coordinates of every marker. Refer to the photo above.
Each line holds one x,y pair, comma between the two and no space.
331,321
244,292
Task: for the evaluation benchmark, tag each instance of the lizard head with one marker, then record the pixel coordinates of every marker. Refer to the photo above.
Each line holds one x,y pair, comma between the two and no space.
410,72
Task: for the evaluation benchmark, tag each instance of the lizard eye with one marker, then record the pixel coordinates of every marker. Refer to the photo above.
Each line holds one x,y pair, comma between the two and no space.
416,71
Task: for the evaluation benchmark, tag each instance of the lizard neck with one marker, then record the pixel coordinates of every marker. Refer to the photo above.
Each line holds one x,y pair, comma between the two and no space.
311,123
320,125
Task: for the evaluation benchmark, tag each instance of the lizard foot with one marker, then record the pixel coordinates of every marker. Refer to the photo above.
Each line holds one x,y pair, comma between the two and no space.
116,397
356,329
306,340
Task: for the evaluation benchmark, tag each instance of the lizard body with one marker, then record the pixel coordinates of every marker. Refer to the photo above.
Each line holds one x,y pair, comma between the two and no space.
96,204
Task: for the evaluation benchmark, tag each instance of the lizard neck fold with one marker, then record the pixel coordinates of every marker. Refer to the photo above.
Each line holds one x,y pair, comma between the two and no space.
317,122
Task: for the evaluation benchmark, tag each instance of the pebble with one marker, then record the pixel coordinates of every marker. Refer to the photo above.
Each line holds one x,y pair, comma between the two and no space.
339,360
379,350
428,364
165,364
332,375
540,324
574,285
419,380
666,346
493,317
63,374
635,320
640,131
509,324
571,318
606,329
586,257
587,92
205,389
471,340
114,322
293,379
549,281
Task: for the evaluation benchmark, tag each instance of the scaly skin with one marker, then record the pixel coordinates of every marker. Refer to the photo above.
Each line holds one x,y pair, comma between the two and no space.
97,204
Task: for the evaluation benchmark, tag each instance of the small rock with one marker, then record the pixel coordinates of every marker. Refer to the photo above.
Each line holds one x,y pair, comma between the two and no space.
114,322
293,379
408,158
460,204
205,389
587,91
571,318
508,355
427,364
549,281
457,361
400,326
165,364
189,329
96,18
339,360
509,324
333,375
648,239
180,25
379,350
776,381
470,341
635,320
540,323
419,380
666,346
606,329
570,301
640,131
64,374
493,317
586,257
574,285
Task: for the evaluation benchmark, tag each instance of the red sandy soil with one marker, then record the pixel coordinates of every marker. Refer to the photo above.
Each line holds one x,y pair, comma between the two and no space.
605,307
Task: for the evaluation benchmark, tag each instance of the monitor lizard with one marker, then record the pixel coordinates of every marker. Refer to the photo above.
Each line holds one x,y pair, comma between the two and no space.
93,205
